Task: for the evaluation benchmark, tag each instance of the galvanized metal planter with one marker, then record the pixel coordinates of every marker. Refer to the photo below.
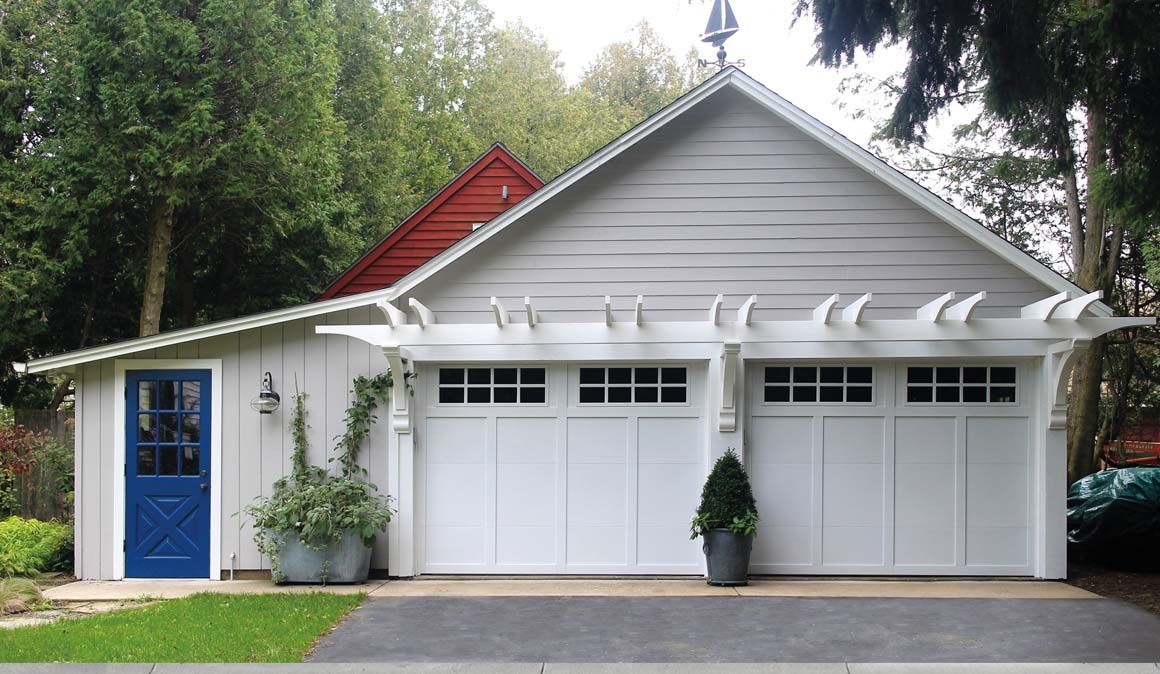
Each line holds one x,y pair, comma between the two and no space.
727,555
346,560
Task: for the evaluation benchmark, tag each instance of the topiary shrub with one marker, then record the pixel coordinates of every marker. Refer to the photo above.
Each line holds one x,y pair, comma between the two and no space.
31,547
727,499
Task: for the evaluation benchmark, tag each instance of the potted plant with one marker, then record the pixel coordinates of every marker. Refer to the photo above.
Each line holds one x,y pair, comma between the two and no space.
318,526
727,519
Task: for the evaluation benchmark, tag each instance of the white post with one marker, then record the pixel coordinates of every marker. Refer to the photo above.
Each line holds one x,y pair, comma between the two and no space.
1051,448
401,531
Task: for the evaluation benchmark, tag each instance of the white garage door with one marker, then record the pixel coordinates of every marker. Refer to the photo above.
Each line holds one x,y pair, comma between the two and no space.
891,467
559,469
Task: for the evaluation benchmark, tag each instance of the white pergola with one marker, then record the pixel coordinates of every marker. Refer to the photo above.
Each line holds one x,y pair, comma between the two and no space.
1054,328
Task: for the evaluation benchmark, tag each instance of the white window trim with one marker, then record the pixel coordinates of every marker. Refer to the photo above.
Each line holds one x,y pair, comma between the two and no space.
818,402
492,385
632,385
904,377
120,368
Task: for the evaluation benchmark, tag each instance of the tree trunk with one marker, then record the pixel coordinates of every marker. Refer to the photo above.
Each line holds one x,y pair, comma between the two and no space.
1084,410
160,238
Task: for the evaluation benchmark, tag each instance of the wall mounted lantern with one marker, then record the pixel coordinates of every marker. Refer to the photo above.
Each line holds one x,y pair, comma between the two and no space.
266,401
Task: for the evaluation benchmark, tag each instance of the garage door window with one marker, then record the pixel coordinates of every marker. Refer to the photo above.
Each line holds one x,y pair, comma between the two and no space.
633,385
964,385
819,384
492,385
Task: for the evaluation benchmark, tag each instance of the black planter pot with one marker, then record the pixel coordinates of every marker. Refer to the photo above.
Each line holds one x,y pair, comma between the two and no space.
727,555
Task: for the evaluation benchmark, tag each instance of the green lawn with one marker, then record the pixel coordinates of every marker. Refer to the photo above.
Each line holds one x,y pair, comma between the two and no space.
201,628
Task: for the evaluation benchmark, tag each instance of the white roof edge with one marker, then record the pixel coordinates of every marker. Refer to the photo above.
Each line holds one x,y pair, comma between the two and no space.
122,348
801,120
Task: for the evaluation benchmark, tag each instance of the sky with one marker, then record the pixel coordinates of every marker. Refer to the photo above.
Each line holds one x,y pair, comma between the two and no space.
775,53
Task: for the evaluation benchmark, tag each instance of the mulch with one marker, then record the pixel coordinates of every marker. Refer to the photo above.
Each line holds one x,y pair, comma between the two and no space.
1141,588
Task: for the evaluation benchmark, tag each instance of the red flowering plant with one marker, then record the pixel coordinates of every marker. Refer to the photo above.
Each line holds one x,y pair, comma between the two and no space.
19,451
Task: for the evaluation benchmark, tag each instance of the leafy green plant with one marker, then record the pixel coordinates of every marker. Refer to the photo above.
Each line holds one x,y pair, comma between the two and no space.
18,595
30,547
315,506
727,499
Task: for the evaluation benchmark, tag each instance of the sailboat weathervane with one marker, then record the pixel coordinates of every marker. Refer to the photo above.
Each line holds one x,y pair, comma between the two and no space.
722,25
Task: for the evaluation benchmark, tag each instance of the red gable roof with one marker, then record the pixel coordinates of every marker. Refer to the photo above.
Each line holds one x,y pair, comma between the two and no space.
473,197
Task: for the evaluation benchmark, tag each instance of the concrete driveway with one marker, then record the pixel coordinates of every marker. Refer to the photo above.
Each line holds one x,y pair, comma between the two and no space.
741,629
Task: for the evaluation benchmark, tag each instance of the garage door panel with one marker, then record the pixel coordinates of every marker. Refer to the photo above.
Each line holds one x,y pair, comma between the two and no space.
924,545
525,440
598,440
595,545
596,494
783,545
669,440
784,493
461,486
924,440
526,495
852,495
997,546
781,440
667,546
852,546
519,545
924,495
456,440
668,494
853,439
997,440
997,495
455,545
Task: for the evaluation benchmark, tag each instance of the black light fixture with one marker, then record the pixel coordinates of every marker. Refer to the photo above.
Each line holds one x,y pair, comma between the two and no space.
266,401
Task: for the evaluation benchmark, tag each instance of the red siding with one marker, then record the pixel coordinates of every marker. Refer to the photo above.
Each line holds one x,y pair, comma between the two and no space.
475,196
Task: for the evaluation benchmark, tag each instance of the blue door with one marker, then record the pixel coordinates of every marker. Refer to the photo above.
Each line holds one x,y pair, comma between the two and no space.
167,471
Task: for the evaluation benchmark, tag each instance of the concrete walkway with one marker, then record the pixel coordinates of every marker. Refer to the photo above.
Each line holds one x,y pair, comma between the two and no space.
567,668
93,590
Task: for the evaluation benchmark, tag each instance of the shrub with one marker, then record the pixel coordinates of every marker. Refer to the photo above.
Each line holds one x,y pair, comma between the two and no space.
36,473
727,499
30,547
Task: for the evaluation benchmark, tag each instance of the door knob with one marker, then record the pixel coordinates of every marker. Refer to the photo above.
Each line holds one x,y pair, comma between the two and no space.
203,486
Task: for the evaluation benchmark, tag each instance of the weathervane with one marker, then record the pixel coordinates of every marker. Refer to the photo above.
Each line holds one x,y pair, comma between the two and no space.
722,25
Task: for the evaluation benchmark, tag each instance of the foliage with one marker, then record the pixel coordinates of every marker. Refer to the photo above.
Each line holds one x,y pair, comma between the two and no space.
727,499
36,472
315,506
213,628
30,547
18,595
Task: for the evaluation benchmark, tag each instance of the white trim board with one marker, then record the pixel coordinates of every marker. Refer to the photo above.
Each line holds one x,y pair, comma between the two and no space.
120,367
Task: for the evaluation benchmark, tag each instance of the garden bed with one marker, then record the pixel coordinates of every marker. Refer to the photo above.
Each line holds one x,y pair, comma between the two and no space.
1141,588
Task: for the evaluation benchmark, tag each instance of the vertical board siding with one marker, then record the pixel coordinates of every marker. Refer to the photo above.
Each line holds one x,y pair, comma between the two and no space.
726,199
256,449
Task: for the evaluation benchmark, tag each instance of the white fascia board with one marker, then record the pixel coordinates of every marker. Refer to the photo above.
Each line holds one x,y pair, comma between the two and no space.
67,360
905,186
562,182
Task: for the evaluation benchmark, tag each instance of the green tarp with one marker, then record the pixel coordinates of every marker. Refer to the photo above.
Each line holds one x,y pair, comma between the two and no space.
1116,511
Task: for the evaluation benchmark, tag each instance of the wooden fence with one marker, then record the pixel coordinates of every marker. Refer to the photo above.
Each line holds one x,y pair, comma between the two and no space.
46,490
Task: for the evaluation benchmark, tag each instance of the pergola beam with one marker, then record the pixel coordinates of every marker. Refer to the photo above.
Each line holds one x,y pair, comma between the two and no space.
531,313
639,313
608,311
965,309
745,313
715,310
1044,309
853,312
393,315
1073,309
498,311
422,313
933,311
825,309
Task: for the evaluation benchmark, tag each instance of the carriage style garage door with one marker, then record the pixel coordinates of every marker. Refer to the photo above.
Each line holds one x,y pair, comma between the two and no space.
559,469
891,467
